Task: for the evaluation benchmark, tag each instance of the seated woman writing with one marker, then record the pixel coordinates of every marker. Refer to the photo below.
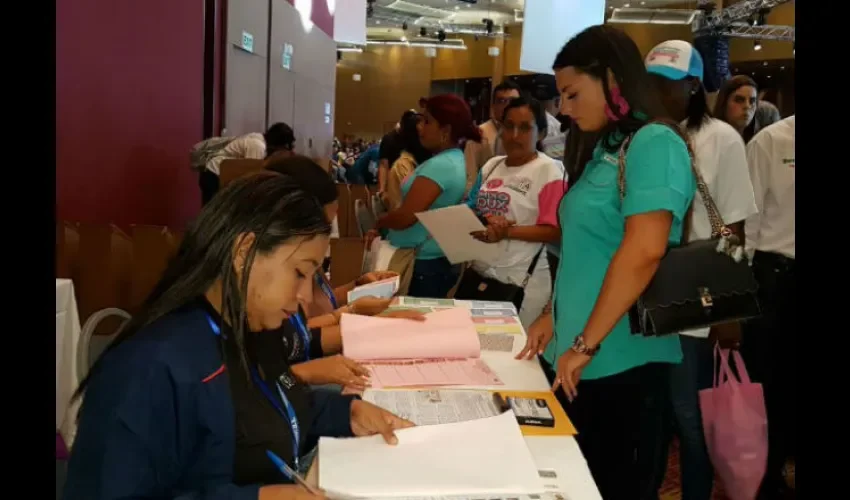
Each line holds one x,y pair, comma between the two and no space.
179,407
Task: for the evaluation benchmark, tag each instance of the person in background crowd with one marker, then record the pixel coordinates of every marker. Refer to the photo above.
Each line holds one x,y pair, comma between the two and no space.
278,140
676,70
365,167
476,154
546,92
771,343
177,407
392,144
439,182
736,105
610,251
412,155
766,113
519,194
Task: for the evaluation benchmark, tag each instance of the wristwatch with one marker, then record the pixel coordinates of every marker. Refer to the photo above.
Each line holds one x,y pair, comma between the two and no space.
580,347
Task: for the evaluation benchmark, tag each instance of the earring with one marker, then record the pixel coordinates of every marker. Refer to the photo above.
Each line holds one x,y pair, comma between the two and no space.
694,91
621,104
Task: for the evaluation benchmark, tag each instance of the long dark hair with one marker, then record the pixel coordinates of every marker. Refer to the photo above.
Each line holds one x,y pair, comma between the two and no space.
410,137
698,112
309,174
728,88
537,110
594,51
271,206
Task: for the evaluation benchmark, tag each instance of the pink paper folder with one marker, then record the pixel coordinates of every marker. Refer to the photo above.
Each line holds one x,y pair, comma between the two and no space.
442,350
444,334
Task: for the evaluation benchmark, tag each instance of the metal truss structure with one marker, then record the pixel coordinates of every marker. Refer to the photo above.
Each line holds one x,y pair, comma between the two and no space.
731,21
766,32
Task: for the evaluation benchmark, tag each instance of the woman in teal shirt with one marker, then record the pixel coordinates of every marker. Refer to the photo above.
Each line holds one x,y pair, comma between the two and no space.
610,251
439,182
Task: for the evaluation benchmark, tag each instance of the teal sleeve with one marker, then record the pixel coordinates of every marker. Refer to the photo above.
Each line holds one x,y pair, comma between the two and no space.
658,173
435,170
472,197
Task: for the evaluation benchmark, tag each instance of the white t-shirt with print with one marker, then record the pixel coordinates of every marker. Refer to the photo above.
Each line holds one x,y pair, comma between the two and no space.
528,194
722,161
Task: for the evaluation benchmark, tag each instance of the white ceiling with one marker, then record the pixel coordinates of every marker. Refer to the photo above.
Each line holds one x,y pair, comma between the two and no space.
390,14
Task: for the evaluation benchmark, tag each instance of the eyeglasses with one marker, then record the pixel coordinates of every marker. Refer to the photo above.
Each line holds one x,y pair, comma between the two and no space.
522,128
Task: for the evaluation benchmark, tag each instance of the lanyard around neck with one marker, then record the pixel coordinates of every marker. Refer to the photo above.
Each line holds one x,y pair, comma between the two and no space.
286,411
326,288
298,323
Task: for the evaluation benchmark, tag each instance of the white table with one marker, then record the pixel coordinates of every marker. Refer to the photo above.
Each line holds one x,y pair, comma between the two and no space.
67,339
560,453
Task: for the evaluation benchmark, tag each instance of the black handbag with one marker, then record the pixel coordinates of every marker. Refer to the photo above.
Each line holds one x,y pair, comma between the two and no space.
698,284
473,286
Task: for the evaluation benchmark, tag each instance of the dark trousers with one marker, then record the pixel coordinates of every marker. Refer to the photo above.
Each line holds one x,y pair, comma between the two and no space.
610,415
433,278
208,183
768,347
680,414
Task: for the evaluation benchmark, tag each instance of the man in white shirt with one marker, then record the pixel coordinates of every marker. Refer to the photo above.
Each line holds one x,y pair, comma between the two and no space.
769,343
278,140
676,69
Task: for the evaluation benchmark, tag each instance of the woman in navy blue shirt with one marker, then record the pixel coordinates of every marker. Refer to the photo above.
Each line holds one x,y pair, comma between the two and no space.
178,407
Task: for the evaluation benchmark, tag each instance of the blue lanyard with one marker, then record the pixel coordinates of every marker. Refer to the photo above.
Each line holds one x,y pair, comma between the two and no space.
298,322
326,288
287,411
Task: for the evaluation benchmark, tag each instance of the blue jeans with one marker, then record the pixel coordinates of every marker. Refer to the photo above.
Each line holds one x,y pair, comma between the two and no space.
433,278
683,416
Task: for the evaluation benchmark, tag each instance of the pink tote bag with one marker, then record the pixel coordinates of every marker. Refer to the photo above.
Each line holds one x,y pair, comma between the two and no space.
735,425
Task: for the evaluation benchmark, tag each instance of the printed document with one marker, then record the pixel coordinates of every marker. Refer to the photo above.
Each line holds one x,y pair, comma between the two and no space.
435,407
486,456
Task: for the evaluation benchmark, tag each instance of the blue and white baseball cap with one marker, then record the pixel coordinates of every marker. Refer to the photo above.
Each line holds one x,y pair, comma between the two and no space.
675,60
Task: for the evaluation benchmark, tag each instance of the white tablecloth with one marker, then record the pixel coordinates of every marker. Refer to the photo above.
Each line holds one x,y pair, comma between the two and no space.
67,339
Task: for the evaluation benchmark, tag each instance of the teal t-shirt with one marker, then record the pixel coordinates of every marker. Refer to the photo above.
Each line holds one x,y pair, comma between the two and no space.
658,177
447,170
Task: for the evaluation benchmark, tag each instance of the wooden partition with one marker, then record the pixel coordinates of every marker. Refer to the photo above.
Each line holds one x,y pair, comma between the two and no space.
153,247
346,260
231,170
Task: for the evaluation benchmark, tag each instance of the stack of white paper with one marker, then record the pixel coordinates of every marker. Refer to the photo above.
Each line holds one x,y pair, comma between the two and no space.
450,227
479,457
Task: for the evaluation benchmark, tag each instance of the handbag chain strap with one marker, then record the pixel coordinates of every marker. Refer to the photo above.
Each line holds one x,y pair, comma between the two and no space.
718,227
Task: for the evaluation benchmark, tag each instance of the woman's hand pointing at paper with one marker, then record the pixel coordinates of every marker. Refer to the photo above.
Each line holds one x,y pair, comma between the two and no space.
368,419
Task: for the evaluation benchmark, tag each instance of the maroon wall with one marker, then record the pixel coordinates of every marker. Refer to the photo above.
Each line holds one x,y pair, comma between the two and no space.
129,106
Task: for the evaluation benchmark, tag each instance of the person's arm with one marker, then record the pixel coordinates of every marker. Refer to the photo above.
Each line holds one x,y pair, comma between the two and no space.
422,194
331,414
472,199
659,189
331,340
733,193
383,173
759,160
540,233
547,229
137,453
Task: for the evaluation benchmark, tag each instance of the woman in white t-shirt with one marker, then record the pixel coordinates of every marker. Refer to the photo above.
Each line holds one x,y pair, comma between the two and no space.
518,194
677,70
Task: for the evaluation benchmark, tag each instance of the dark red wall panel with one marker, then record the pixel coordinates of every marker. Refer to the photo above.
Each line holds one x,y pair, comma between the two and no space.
129,106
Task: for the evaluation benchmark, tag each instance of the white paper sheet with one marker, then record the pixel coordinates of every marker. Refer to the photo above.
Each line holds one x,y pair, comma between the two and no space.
480,457
383,289
450,227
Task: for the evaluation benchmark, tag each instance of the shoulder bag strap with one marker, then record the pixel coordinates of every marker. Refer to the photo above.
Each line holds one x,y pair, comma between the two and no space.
532,266
718,227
